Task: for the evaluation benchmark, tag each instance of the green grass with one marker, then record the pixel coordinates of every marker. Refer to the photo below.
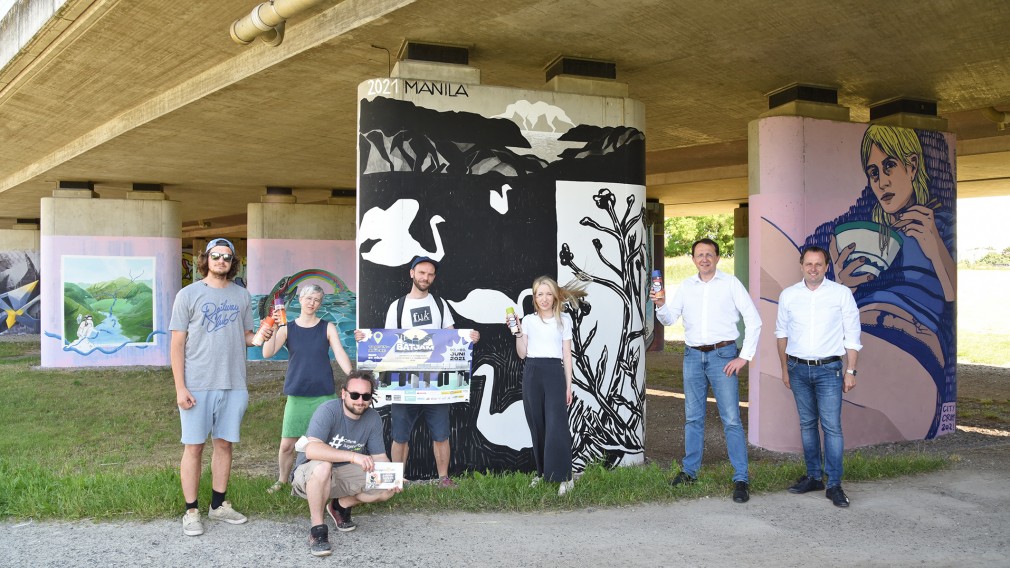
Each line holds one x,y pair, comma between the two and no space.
103,444
983,348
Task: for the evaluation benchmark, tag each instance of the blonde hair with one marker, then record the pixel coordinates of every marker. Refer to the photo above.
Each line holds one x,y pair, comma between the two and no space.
570,293
898,143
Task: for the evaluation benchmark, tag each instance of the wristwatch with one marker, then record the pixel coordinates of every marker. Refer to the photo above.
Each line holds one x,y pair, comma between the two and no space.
851,372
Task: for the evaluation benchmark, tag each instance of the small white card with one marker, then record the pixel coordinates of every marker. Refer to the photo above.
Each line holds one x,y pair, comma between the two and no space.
386,475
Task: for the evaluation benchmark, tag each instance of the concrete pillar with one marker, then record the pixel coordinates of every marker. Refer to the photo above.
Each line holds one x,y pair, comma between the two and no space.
812,185
499,186
111,270
291,243
741,245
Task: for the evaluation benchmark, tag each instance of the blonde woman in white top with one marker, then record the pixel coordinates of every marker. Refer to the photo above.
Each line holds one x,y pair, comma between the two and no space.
544,340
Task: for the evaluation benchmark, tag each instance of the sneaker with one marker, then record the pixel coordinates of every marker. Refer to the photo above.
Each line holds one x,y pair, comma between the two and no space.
837,496
565,487
191,523
227,514
341,516
682,478
319,541
447,483
741,492
806,484
536,481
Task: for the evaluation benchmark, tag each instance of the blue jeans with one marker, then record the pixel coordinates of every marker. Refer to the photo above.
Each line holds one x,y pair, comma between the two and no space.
700,371
818,394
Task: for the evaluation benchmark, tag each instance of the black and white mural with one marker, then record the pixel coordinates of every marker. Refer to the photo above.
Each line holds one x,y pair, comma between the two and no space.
501,186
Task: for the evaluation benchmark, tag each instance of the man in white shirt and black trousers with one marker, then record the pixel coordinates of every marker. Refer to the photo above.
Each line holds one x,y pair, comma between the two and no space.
818,341
711,303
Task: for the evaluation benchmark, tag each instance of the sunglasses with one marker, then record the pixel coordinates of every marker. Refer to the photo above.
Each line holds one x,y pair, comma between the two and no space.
356,395
221,256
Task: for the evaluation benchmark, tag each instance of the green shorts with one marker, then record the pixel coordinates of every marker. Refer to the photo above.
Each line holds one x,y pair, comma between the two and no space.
298,412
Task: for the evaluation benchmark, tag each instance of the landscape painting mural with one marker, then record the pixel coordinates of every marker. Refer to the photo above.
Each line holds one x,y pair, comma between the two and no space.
881,200
108,302
501,186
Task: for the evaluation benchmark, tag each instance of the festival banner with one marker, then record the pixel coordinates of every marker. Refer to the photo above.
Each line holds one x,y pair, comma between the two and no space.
418,366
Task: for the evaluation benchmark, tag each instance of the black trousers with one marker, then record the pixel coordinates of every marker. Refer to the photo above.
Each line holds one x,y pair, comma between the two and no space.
544,396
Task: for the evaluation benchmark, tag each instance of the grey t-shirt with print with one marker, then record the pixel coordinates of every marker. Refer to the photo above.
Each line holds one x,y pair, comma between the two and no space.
330,424
216,321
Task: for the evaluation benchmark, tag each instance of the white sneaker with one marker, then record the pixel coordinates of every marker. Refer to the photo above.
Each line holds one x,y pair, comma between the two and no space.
227,514
536,481
191,523
565,487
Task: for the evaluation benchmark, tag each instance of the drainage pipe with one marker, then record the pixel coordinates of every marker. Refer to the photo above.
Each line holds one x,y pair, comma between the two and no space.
267,20
999,117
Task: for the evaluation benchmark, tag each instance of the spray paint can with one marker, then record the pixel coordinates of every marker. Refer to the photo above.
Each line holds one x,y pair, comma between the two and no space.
512,320
657,284
280,313
267,323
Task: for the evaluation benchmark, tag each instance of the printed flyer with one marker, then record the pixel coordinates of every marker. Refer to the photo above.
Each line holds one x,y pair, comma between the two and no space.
418,366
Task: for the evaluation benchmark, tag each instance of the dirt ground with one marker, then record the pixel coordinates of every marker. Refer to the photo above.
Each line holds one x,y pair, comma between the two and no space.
665,415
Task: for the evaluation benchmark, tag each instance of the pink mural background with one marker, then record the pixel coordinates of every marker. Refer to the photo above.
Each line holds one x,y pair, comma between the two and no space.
55,349
807,179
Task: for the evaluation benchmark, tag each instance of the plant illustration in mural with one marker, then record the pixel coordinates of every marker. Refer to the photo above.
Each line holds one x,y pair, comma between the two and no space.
608,431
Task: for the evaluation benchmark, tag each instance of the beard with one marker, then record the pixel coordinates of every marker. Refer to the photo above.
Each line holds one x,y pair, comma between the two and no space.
422,285
353,409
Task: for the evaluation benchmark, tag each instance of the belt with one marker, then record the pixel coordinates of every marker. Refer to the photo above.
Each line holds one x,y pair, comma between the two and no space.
815,362
713,347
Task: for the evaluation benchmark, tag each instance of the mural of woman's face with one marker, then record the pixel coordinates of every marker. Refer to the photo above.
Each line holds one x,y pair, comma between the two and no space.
891,180
545,299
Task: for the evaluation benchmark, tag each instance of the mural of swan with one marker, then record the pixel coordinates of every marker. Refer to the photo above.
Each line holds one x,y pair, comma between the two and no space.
506,428
500,201
391,228
488,306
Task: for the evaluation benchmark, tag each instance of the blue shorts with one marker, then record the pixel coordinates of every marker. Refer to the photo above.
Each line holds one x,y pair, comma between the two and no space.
435,415
217,413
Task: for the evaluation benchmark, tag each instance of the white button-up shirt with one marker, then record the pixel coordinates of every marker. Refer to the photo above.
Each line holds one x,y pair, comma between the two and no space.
818,323
711,311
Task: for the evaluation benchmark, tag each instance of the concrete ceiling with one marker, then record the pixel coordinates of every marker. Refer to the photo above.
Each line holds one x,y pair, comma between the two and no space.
155,91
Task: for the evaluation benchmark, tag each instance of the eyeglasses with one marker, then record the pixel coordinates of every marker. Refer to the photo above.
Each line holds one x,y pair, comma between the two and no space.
356,395
221,256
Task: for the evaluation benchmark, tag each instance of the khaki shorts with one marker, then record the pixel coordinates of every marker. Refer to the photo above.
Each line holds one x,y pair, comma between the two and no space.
345,480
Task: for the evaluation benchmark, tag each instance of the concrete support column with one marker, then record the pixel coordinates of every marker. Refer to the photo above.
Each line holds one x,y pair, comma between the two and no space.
19,270
814,182
110,273
293,243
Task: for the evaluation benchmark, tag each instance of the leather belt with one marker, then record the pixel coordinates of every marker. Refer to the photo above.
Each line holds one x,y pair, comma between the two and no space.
713,347
815,362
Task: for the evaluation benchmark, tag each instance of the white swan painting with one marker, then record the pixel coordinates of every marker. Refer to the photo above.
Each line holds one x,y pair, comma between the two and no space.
500,201
505,428
391,228
488,306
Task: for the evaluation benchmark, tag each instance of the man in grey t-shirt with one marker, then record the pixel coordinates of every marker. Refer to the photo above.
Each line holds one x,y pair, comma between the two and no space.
211,327
344,442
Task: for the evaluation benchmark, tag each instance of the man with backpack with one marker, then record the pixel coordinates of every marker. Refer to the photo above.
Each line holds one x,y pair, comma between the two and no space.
423,310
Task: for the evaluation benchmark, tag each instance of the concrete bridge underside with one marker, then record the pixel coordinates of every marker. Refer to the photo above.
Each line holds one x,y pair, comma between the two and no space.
155,91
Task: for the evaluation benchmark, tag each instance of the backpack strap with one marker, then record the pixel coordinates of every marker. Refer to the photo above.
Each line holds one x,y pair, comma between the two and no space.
399,310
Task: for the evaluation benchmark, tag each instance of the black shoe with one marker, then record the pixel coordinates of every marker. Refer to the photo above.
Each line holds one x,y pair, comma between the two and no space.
319,541
682,479
806,484
741,491
837,496
341,516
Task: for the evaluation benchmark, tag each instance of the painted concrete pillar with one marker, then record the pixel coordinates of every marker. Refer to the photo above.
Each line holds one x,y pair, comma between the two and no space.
502,186
292,243
110,273
844,187
19,271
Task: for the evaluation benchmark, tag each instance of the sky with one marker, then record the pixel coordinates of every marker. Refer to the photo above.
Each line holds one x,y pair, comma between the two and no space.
982,222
